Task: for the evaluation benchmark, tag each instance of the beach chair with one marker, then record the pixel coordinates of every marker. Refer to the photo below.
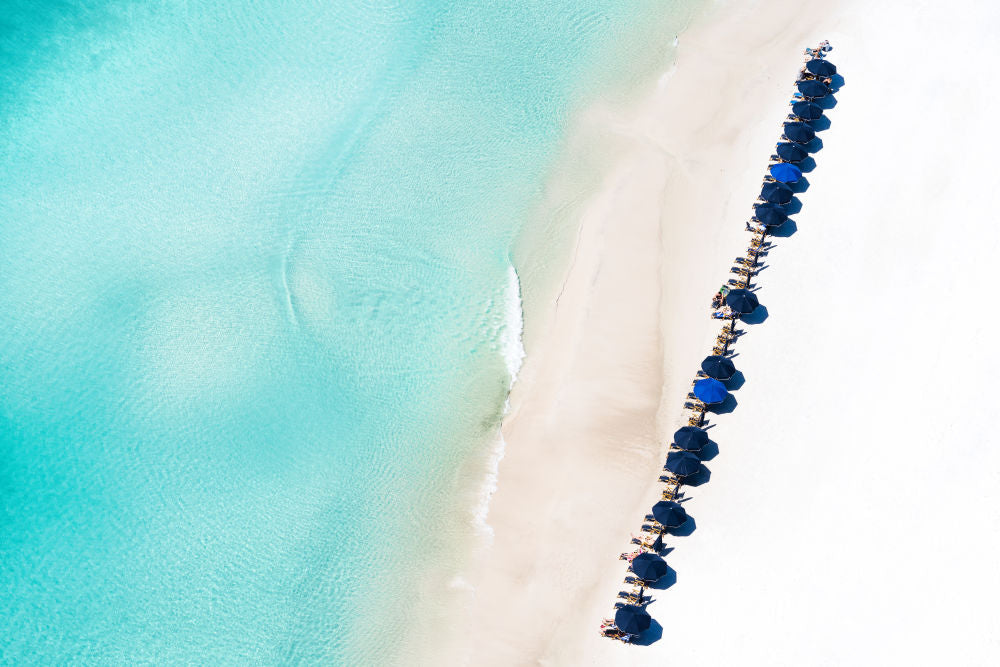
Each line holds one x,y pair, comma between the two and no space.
701,374
629,596
718,349
695,421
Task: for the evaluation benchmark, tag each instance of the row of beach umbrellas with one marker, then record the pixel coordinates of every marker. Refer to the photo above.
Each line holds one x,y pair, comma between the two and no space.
792,151
689,441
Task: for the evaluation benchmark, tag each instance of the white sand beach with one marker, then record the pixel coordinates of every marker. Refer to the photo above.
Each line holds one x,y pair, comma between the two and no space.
853,511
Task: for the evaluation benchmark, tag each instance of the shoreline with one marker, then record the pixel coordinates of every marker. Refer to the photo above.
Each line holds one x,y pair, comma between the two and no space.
815,533
650,155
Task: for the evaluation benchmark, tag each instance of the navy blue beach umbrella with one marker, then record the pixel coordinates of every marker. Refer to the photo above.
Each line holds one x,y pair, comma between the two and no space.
776,193
690,438
785,173
742,301
682,464
771,215
710,390
669,514
718,367
812,89
791,152
821,67
800,133
648,567
807,110
632,619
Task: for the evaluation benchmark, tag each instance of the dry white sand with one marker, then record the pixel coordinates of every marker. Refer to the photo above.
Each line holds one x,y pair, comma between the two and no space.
853,512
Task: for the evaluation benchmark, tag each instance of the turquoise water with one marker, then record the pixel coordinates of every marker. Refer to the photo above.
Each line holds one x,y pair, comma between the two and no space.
256,294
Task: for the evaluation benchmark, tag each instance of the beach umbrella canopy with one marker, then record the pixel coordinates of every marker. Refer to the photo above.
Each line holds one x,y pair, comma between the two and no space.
710,390
821,67
785,173
669,514
791,152
649,567
742,301
718,367
807,110
800,133
812,88
632,619
690,438
776,193
683,464
771,215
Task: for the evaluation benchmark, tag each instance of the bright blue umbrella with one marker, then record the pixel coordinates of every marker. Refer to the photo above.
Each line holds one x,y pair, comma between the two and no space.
669,514
800,133
812,88
742,301
807,110
632,620
648,566
690,438
682,464
785,173
771,215
718,367
821,67
791,152
710,390
776,193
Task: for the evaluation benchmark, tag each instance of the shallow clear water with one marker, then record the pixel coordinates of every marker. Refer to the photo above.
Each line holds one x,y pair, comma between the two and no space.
256,299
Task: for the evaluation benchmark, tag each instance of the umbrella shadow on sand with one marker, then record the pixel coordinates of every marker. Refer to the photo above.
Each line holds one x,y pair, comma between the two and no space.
814,146
807,165
820,124
698,478
756,317
685,529
709,451
785,229
650,636
664,582
725,407
735,382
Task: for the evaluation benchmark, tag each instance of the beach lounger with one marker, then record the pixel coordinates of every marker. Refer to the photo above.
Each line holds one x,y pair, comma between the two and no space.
629,596
701,374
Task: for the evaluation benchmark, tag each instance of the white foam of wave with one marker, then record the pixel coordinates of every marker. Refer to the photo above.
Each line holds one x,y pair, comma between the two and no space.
512,348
